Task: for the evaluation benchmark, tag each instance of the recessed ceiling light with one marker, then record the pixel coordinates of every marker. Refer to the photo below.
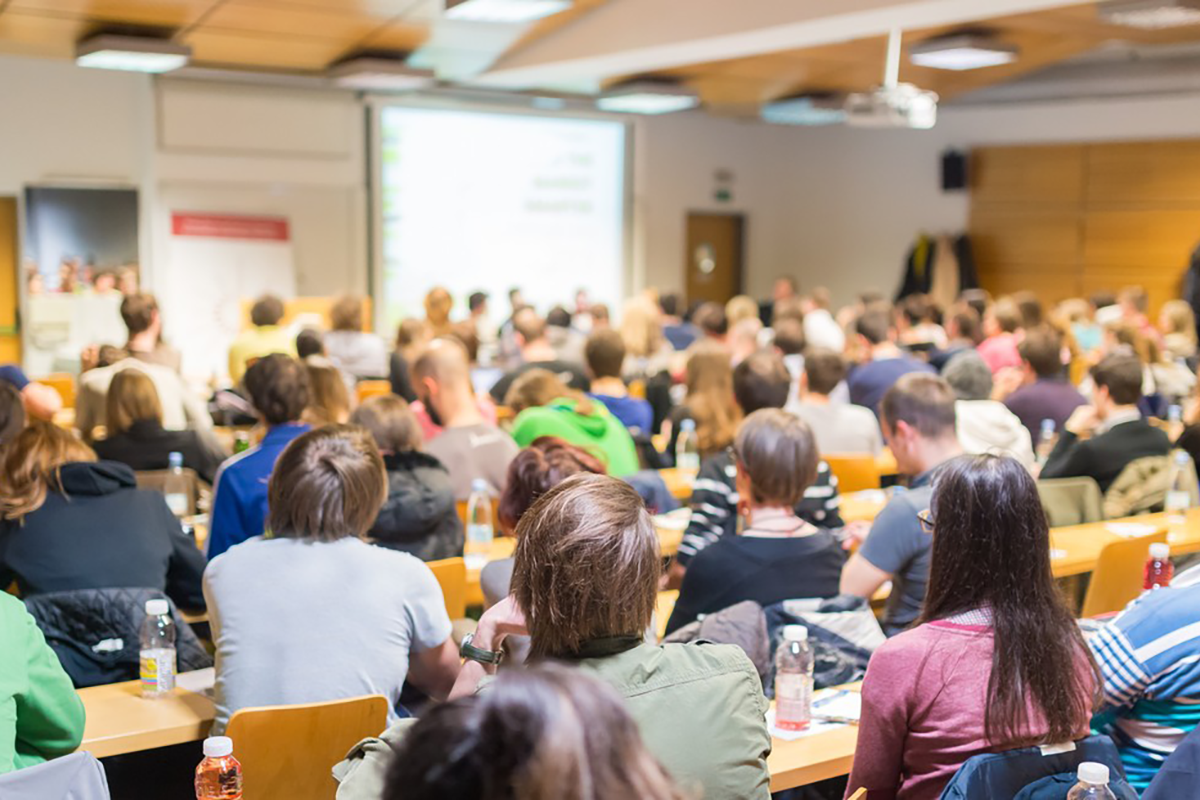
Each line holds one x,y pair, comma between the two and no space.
962,52
374,73
810,109
1151,15
648,97
131,53
504,10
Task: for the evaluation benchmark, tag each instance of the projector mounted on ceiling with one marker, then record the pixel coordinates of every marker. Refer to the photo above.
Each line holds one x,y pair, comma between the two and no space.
894,104
1151,15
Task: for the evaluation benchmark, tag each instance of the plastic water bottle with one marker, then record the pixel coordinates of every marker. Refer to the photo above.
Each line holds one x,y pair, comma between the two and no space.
1175,422
1047,439
219,776
793,680
1159,569
478,548
1179,490
687,447
1093,783
158,650
175,488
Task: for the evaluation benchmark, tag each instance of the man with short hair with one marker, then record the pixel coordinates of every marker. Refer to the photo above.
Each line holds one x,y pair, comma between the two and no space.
480,319
1101,439
679,333
279,390
963,333
919,424
262,339
537,352
469,446
181,408
839,427
140,314
1045,393
985,425
605,353
870,381
711,320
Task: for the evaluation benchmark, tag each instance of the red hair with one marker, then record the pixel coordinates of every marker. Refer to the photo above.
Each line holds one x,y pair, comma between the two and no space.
547,462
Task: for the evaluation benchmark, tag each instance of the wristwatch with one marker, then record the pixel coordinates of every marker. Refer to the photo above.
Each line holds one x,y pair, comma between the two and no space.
470,651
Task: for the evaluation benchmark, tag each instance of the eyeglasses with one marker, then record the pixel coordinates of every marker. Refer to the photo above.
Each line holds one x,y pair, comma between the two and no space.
925,517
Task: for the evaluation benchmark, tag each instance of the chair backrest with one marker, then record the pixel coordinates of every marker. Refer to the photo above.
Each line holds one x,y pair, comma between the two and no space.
156,480
1141,487
78,776
451,574
854,471
1117,578
1071,501
64,384
288,752
994,775
365,390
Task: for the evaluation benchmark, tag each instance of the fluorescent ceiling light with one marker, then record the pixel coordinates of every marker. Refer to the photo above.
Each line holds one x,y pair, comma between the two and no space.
966,51
371,73
1151,15
131,53
812,109
504,10
648,97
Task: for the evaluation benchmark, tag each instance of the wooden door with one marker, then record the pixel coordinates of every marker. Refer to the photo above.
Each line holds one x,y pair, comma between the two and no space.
10,342
713,258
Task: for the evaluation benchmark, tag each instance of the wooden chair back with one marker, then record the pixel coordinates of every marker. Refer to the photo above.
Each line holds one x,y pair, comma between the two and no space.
1071,501
64,384
365,390
1117,578
288,752
854,471
156,480
451,574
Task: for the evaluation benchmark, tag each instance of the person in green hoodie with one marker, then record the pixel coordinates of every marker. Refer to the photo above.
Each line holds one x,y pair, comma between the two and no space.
546,407
41,716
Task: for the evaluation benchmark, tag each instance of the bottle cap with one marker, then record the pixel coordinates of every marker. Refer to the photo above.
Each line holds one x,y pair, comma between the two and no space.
1091,772
1048,425
155,608
795,633
218,747
175,460
1174,413
687,425
479,485
1181,458
1160,550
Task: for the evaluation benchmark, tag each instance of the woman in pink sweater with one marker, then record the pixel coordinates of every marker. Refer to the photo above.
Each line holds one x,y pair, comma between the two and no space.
996,661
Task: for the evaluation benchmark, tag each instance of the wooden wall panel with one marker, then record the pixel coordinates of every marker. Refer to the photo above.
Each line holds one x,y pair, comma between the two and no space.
1024,237
1044,175
1158,174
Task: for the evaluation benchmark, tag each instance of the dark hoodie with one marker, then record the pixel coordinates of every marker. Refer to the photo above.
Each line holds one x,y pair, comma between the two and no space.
419,515
101,532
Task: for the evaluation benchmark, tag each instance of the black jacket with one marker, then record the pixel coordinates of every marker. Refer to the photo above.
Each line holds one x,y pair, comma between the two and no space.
147,446
419,515
400,378
1104,456
101,532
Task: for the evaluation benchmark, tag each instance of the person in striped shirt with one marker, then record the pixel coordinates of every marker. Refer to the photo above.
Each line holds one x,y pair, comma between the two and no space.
760,381
1149,656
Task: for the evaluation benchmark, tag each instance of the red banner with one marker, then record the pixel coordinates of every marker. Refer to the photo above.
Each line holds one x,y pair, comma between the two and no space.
229,226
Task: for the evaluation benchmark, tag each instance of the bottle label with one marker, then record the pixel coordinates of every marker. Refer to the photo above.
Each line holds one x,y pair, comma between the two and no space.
178,503
688,461
157,671
1178,500
793,701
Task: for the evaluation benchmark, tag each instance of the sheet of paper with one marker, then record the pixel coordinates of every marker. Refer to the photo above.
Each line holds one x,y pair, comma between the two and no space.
817,726
839,705
677,520
1131,530
200,681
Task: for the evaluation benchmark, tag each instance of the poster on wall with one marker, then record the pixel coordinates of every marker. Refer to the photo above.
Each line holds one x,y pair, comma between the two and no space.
216,261
79,258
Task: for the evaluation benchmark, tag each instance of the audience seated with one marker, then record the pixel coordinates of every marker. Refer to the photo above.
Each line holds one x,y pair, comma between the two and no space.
1044,393
886,362
314,613
839,427
411,338
278,388
71,522
419,515
565,340
647,352
1000,325
41,716
264,337
788,340
962,333
1101,439
778,556
438,304
919,424
545,406
820,328
309,342
996,661
1177,324
741,307
605,354
12,414
470,447
328,398
140,314
585,581
135,435
181,408
537,353
1080,318
679,334
984,425
710,319
709,401
922,329
41,401
358,354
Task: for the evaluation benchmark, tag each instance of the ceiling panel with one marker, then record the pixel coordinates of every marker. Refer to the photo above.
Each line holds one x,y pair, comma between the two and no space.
254,16
22,33
275,52
167,13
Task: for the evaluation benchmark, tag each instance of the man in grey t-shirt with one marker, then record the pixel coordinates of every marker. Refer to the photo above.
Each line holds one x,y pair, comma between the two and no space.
918,421
474,451
839,427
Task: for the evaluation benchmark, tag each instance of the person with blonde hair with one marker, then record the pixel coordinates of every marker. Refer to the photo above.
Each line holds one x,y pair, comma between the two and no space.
741,307
135,435
412,336
647,352
357,353
264,336
709,401
69,522
438,304
328,398
1177,323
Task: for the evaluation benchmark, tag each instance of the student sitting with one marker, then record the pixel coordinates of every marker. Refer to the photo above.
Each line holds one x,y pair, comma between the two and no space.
537,353
1044,392
1118,433
136,437
140,314
984,425
264,337
1000,325
71,522
41,401
278,388
12,414
778,556
605,354
996,661
41,716
419,515
355,352
328,398
839,427
709,401
547,732
314,613
181,408
584,585
546,407
887,363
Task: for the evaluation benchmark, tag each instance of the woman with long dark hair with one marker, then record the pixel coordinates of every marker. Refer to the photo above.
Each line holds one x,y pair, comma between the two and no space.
995,662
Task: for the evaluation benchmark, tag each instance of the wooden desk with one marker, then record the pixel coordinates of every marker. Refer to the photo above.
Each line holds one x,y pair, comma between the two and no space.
814,758
679,482
862,506
1080,545
120,721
